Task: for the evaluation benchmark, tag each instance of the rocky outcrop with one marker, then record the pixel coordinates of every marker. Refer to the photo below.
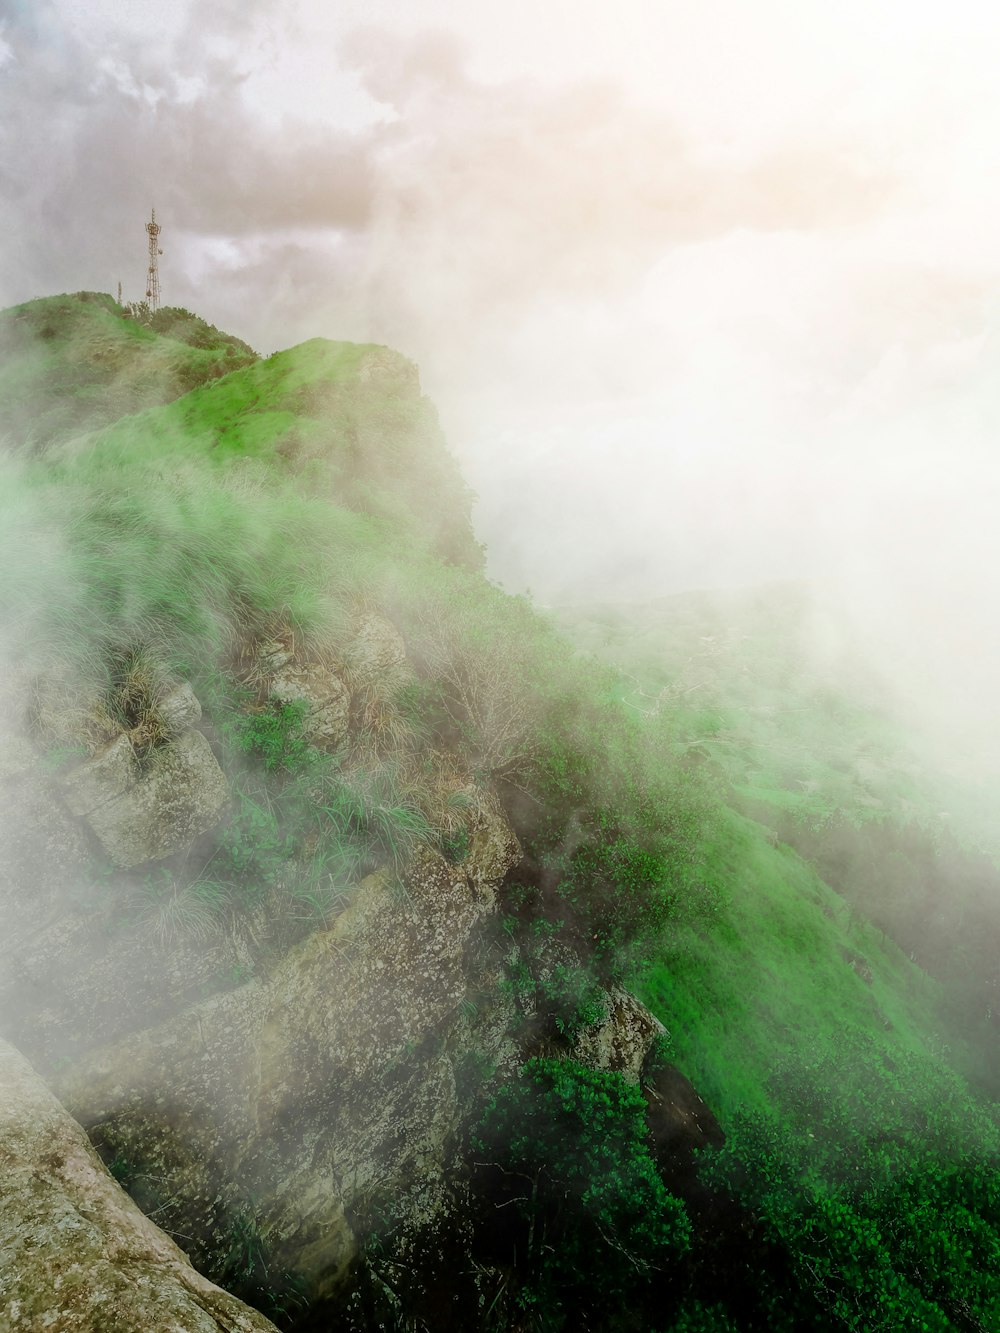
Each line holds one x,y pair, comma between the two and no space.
78,966
334,1083
326,698
179,709
341,1079
178,795
377,650
76,1254
621,1041
144,793
104,778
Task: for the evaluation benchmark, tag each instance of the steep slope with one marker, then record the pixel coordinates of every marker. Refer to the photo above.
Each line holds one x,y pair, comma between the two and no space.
215,734
833,1060
347,420
769,687
327,866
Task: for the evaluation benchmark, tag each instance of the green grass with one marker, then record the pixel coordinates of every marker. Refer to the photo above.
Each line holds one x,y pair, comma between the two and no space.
819,1046
771,970
294,496
70,364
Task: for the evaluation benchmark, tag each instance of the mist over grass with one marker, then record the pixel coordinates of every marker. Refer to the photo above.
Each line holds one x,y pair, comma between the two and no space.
661,797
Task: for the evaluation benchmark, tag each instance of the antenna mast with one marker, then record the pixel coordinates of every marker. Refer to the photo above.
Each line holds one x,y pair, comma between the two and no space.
153,273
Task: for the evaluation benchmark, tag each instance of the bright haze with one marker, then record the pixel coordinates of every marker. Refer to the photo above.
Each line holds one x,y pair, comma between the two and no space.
706,293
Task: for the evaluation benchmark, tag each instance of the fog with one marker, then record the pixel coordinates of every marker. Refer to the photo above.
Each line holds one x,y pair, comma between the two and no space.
705,294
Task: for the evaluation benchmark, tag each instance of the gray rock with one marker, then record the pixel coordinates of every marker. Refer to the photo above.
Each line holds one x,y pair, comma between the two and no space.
330,1085
377,649
621,1041
326,698
179,710
108,775
179,797
272,656
75,1251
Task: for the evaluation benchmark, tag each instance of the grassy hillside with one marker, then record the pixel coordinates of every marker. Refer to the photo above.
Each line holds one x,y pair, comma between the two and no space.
70,364
766,686
292,498
834,1060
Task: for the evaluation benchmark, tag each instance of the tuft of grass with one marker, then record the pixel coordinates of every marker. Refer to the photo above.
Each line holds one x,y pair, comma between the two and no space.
174,912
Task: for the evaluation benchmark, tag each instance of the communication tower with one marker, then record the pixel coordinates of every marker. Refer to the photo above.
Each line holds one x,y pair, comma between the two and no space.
153,273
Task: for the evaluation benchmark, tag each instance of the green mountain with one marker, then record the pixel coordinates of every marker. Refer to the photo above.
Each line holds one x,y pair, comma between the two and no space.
417,960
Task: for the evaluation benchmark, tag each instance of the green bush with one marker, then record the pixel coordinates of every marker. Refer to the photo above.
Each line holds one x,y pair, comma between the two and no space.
882,1190
274,733
595,1217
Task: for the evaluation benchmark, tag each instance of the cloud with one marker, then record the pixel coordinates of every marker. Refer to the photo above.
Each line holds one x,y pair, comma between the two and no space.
664,360
494,195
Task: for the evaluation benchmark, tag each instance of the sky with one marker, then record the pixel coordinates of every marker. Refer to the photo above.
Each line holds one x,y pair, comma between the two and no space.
706,294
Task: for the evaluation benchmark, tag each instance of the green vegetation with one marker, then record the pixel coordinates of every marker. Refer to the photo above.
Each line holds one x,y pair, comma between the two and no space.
595,1217
820,1047
70,364
274,732
248,1271
833,1062
899,1233
664,800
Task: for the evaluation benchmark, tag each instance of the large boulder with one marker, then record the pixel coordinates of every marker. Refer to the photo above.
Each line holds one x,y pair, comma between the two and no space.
621,1040
377,651
178,709
178,796
334,1083
104,777
79,962
76,1254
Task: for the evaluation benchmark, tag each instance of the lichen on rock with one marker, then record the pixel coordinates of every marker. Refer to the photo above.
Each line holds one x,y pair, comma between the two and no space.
179,796
75,1251
329,1084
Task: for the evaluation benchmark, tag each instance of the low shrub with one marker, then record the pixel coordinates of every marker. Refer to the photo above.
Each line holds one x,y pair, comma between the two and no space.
571,1156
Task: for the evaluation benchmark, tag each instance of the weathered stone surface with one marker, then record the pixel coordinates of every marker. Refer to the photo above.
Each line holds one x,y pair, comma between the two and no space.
179,709
272,656
76,1254
41,851
621,1041
377,649
179,797
493,850
325,696
108,775
333,1083
85,978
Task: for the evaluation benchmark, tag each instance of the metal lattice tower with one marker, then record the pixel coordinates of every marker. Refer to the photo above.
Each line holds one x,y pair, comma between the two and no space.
153,273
